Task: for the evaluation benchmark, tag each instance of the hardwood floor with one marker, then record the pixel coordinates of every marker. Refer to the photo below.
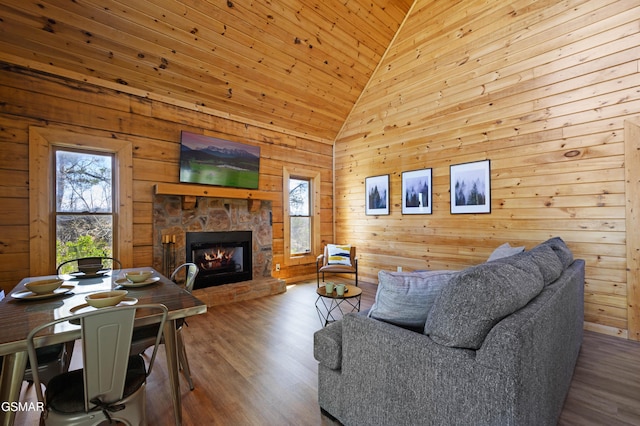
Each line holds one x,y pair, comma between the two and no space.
252,364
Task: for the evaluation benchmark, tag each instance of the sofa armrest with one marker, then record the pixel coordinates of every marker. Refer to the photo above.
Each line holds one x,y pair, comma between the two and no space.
327,346
380,360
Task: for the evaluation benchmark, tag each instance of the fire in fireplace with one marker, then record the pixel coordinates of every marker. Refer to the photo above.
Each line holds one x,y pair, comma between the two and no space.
218,259
223,257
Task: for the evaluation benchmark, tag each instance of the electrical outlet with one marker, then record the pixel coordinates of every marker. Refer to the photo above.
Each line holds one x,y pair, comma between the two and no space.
277,266
399,268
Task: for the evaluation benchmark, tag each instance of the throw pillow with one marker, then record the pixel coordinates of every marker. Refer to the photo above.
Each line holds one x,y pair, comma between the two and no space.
405,298
505,250
477,298
339,254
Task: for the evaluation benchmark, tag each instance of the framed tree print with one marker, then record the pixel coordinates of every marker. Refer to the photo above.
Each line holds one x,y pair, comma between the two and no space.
416,192
377,195
471,187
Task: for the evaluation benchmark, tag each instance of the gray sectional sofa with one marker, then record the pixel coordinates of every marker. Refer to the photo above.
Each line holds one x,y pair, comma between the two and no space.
496,345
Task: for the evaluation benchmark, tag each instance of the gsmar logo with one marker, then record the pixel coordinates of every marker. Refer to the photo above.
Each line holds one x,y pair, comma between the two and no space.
22,406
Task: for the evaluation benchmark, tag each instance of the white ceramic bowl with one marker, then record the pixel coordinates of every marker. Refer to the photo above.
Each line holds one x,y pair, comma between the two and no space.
90,269
138,276
44,286
106,298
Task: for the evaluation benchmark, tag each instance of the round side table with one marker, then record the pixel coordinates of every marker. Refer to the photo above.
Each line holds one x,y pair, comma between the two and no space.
328,305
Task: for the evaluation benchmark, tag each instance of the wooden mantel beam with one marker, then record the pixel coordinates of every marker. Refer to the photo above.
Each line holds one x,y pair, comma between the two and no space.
190,190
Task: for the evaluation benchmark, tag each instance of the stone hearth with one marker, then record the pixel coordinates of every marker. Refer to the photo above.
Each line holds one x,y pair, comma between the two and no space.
172,221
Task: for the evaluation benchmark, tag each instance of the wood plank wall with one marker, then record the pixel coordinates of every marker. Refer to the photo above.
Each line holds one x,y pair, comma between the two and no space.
153,128
542,89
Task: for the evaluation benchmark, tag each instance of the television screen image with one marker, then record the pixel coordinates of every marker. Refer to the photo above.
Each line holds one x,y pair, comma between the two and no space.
212,161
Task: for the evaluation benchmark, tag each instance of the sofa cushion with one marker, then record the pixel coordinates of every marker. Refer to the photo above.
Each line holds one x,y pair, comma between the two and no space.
327,345
405,298
504,250
339,254
547,261
478,297
561,250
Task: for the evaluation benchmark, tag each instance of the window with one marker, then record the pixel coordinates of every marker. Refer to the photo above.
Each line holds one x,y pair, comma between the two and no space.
44,143
84,211
301,189
300,216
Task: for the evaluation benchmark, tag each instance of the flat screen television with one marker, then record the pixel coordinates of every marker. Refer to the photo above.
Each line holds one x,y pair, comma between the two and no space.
212,161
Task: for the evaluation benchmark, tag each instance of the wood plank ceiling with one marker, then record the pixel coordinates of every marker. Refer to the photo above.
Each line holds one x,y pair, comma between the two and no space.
294,65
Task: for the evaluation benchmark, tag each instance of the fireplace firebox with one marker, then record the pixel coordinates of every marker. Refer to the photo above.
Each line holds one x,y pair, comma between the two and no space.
222,257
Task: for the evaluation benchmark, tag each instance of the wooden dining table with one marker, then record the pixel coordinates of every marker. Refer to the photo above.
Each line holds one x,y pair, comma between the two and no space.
20,312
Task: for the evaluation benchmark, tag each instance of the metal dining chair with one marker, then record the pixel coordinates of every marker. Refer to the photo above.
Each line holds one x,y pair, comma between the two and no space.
52,360
89,264
111,385
142,336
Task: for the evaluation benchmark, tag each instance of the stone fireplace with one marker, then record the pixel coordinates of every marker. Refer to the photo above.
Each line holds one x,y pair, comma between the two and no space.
210,216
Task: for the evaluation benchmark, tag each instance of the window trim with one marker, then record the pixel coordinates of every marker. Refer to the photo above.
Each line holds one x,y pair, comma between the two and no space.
314,180
41,222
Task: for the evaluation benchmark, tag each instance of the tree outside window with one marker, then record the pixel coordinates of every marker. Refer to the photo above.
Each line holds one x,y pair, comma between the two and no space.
300,216
84,197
